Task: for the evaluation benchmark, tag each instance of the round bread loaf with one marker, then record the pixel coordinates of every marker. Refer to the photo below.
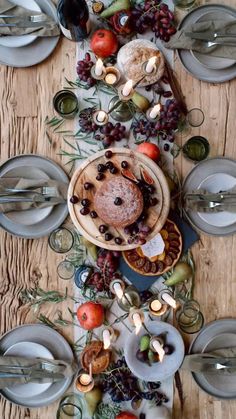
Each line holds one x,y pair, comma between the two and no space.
130,202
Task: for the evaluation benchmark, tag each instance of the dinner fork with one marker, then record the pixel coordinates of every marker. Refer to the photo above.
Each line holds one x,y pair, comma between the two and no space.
210,44
44,190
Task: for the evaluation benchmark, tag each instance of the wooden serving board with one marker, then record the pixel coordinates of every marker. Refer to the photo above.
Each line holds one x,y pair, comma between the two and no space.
87,172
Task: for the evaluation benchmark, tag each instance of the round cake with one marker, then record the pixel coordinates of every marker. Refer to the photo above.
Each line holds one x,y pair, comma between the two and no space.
119,202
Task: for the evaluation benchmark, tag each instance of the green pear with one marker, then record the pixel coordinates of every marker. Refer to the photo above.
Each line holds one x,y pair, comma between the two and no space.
144,343
140,101
92,399
115,7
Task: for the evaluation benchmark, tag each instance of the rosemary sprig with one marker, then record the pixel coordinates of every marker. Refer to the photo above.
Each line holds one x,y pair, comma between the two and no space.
36,297
45,320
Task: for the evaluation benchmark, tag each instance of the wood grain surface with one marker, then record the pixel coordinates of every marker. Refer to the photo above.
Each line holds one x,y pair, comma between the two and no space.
26,99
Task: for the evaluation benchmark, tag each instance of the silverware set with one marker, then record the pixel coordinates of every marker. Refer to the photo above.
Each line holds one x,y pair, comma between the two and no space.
210,201
214,38
37,195
25,21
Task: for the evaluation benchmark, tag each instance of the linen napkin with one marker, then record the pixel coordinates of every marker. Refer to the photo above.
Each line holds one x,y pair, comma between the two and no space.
56,367
24,183
226,205
6,7
181,41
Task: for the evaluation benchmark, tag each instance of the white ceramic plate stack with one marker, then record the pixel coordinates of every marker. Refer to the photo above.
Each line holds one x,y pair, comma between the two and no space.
203,66
36,340
33,223
28,50
218,334
214,175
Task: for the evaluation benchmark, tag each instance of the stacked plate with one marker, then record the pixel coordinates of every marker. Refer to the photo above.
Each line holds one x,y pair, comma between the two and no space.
28,50
33,223
219,334
204,66
212,175
32,341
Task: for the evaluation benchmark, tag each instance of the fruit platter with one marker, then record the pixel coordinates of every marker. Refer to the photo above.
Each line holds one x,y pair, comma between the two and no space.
118,199
144,361
159,264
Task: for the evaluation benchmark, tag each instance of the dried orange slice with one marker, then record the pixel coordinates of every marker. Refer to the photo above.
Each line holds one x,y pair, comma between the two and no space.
153,258
167,244
140,252
164,234
161,256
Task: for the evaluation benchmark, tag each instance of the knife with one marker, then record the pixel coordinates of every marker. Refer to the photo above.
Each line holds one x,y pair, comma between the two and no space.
35,199
26,24
210,36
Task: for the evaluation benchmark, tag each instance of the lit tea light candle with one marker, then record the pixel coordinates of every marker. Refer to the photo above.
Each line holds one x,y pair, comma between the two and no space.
156,344
127,88
150,67
155,305
99,68
85,379
155,111
101,116
169,299
106,337
156,308
111,78
137,322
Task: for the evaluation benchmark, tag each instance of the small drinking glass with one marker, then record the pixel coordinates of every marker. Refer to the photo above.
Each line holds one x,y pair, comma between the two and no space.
196,148
195,117
61,240
66,104
65,269
189,317
70,407
184,4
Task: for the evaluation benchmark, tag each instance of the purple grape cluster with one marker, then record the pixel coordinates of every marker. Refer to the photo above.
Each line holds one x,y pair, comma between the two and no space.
122,385
110,133
84,70
155,15
86,121
164,127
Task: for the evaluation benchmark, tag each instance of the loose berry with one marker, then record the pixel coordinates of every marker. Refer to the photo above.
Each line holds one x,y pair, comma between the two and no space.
118,201
85,202
113,170
84,211
102,228
100,176
101,168
88,186
108,154
108,237
118,240
93,214
74,199
124,164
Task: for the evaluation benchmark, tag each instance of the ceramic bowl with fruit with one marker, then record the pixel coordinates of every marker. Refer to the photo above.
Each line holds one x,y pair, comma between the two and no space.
143,360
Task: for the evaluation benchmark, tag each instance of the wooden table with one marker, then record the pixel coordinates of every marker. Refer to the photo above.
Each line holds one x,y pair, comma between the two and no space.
26,99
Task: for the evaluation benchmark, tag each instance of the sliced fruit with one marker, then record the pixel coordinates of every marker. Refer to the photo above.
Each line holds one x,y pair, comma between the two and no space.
168,260
146,177
167,245
144,343
140,263
164,234
129,175
153,268
140,252
153,258
173,236
162,256
160,266
147,266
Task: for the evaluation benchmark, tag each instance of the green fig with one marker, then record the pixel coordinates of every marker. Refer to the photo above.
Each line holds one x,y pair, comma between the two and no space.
115,7
144,343
140,101
92,399
151,356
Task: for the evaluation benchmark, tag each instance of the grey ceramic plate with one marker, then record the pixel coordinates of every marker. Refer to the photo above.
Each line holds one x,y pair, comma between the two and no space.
216,335
192,181
58,213
195,68
160,370
33,53
55,343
